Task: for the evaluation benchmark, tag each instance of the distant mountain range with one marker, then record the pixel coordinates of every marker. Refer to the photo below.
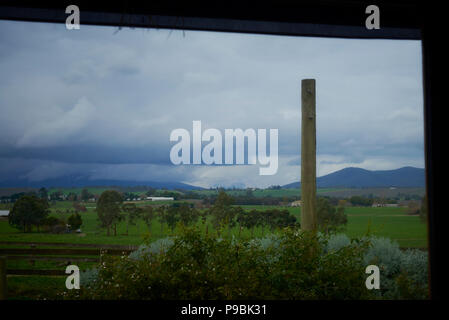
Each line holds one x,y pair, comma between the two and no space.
361,178
84,181
346,178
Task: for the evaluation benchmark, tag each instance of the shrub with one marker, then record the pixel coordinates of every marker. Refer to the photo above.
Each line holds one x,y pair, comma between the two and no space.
75,221
53,225
412,282
195,266
403,273
385,254
58,229
336,242
329,218
158,246
269,241
290,265
88,277
50,221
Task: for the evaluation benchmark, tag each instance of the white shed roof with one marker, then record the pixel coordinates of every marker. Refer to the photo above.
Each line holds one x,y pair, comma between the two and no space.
4,213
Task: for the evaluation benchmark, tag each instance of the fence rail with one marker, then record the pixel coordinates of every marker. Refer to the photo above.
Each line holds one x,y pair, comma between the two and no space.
35,272
58,259
73,245
84,252
64,252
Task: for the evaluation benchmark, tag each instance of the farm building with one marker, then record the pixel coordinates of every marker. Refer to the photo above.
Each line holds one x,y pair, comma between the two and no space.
4,213
385,205
160,198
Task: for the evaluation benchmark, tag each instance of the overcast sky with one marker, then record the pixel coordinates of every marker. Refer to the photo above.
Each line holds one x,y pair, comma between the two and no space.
102,102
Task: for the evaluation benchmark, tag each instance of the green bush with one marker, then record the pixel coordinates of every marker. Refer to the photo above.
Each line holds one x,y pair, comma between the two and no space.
385,254
290,265
88,277
329,218
53,225
195,266
75,221
51,221
403,274
158,246
336,242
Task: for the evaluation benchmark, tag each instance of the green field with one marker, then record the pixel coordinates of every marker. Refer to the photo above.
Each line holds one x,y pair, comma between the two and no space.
393,223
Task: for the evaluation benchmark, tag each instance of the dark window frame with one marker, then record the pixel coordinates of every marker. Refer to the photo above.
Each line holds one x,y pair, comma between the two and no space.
342,19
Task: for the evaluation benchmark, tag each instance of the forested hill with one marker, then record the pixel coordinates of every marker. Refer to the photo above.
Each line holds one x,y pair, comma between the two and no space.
361,178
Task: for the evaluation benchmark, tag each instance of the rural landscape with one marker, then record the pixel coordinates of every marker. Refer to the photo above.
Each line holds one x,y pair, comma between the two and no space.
136,219
200,165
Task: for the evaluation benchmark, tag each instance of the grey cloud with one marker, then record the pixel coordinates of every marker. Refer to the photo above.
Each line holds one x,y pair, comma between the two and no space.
97,98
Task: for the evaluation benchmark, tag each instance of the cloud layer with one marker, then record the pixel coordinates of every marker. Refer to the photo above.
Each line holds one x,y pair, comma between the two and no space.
99,102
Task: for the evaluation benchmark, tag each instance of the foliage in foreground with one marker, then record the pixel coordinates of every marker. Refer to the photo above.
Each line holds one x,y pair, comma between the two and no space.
197,266
403,274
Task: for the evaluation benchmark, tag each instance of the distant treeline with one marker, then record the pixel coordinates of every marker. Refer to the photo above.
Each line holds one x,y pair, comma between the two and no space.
243,197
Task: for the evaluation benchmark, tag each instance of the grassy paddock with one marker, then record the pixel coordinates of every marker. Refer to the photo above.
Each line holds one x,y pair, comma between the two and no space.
393,223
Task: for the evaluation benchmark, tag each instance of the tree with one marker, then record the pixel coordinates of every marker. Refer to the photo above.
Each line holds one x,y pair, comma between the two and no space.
72,196
330,218
264,219
161,213
151,191
28,211
248,219
222,211
171,217
57,195
283,219
108,209
360,201
43,193
148,214
75,221
187,215
167,215
85,194
53,224
132,212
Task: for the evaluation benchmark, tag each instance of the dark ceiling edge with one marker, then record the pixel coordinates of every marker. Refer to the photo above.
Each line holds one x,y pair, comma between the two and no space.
209,24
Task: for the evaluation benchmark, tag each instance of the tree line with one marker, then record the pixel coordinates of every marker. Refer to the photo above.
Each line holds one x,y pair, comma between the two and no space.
111,210
224,215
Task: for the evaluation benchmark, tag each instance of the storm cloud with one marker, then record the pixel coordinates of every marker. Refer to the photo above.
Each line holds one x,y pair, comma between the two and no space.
103,103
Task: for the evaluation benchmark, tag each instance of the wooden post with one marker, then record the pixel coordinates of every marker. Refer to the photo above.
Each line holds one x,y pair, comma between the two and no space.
308,155
3,285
